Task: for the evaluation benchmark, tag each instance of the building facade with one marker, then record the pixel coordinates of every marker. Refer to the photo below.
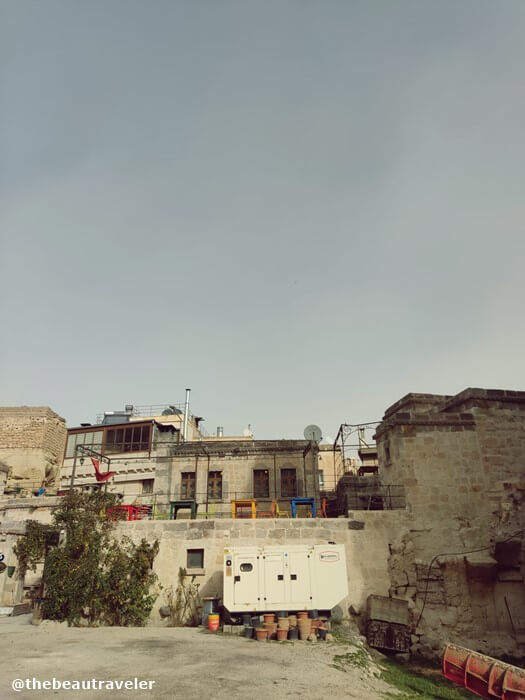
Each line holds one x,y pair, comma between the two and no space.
215,472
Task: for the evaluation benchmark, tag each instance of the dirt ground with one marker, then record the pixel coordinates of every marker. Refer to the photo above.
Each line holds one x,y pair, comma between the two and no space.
184,663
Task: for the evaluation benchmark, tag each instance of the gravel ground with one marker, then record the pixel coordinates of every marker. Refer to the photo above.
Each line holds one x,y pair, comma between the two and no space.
184,663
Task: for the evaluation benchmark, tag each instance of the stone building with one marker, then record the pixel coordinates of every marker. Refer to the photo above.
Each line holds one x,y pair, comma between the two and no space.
330,467
132,442
132,450
32,440
215,472
461,460
153,465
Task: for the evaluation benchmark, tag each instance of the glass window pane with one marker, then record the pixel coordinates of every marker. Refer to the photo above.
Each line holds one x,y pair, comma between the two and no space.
71,442
145,437
195,558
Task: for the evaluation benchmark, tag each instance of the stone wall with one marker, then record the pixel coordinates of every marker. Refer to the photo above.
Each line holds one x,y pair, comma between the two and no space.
367,542
462,462
331,466
13,516
32,442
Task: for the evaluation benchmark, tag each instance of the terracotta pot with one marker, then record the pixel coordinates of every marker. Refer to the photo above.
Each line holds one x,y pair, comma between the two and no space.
292,620
269,617
305,628
282,634
302,615
283,622
272,629
304,632
315,624
261,633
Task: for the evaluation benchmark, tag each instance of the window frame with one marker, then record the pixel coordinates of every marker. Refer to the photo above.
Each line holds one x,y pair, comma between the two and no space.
188,479
134,437
256,485
195,569
150,487
214,485
286,474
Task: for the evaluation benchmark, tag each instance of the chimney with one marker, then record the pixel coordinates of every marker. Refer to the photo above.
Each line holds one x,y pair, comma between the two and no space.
186,415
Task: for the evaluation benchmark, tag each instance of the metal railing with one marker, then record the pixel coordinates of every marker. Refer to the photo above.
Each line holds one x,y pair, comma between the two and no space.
371,497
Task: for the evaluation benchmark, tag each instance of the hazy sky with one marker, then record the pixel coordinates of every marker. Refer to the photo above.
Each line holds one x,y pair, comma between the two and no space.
301,210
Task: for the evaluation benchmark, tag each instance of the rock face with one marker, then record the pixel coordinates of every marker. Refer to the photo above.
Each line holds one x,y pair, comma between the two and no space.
461,460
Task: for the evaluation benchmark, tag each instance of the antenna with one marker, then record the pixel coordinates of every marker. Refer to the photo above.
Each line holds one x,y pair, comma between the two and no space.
313,433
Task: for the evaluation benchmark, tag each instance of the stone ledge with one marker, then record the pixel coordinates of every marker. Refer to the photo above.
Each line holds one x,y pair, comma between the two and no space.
13,527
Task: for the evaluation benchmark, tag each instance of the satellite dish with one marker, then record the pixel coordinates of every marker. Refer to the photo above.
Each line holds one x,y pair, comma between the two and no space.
313,433
171,411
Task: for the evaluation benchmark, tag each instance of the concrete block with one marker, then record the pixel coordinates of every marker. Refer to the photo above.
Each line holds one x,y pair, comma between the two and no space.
292,534
202,524
277,533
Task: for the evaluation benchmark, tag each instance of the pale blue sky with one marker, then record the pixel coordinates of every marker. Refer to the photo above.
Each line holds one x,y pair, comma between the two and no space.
301,210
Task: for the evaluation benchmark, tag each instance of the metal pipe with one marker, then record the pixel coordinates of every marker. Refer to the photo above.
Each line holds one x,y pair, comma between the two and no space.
74,470
275,475
186,415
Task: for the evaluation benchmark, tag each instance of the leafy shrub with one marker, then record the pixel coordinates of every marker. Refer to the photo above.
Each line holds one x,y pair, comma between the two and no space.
91,576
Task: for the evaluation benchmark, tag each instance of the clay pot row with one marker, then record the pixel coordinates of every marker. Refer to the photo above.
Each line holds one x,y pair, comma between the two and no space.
263,634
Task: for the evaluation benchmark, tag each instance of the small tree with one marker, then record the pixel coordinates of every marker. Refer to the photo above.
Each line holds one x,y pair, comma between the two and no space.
91,576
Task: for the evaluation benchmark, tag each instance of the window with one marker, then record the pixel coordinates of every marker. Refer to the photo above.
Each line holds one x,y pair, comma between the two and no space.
261,483
215,485
187,485
321,477
132,438
288,483
89,438
195,559
147,485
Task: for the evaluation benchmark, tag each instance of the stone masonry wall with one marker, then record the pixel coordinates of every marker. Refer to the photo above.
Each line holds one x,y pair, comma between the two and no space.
32,442
367,538
462,462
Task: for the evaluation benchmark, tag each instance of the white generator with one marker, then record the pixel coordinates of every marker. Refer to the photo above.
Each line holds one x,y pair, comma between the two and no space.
284,577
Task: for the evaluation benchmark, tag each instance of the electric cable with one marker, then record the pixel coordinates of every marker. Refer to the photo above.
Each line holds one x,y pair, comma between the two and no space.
457,554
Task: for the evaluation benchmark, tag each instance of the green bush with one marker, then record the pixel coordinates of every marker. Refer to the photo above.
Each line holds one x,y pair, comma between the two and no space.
91,577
